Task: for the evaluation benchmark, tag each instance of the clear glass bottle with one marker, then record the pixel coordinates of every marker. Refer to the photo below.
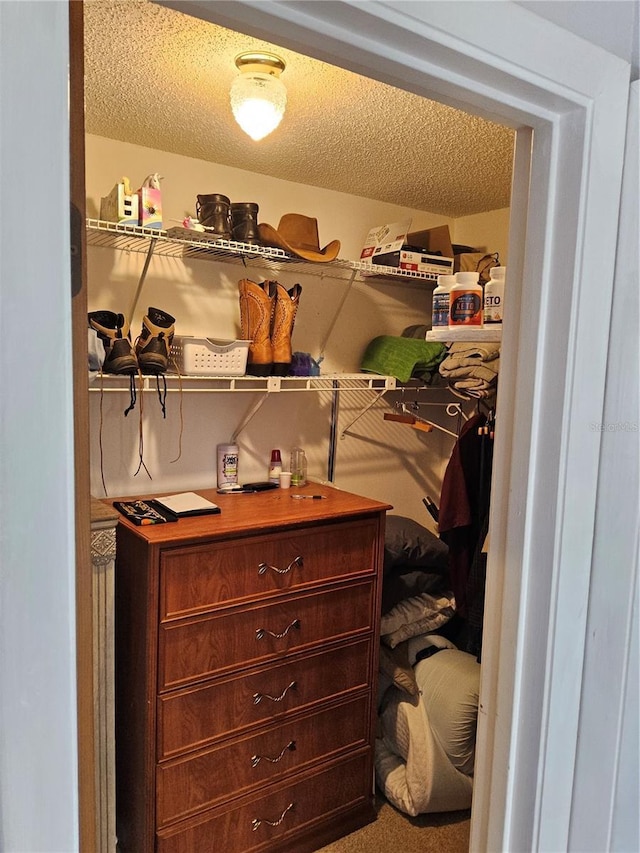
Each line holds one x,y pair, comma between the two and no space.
298,467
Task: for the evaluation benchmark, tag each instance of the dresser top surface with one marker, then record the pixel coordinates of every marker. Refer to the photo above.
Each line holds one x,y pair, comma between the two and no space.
256,512
103,511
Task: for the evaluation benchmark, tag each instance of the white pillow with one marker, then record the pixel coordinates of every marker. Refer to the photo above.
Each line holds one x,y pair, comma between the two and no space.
418,615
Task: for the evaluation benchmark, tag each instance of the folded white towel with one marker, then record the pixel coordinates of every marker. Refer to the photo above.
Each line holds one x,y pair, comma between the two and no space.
485,371
474,349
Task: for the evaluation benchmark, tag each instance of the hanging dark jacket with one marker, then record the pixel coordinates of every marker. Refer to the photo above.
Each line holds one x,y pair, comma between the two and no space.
464,511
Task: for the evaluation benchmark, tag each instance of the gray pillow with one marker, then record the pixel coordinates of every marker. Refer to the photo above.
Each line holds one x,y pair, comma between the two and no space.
408,545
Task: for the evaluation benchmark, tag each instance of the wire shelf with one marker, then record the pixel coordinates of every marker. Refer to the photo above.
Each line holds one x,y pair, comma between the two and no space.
185,243
253,384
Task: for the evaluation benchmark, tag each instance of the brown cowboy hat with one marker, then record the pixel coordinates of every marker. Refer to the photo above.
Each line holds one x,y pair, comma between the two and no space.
298,235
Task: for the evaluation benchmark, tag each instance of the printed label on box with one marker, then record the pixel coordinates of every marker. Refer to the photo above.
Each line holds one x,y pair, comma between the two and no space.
383,239
150,207
426,263
119,206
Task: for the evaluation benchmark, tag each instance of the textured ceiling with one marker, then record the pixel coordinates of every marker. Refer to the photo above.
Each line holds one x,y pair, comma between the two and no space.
160,79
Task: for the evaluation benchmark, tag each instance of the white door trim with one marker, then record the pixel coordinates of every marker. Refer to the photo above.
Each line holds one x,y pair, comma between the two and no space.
38,700
500,61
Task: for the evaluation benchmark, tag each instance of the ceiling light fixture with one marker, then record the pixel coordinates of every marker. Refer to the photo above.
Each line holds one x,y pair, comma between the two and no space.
258,96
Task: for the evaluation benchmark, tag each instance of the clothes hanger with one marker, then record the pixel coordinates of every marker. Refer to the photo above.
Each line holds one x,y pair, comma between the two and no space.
489,425
410,420
416,421
408,414
455,410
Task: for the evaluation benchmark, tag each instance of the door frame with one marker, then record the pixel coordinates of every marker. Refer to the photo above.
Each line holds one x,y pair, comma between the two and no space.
85,665
567,99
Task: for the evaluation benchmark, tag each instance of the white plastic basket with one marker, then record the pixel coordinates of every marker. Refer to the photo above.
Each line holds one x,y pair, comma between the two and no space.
208,356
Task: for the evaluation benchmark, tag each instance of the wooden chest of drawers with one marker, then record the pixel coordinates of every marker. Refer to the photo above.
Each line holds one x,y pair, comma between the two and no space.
246,657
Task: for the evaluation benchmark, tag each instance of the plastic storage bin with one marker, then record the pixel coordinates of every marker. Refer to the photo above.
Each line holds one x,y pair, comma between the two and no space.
208,356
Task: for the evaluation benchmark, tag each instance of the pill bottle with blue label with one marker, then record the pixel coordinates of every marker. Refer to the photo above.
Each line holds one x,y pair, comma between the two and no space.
440,303
465,301
494,297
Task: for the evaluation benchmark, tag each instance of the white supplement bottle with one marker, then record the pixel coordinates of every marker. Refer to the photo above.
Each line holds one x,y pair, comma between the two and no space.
465,301
440,304
227,465
494,297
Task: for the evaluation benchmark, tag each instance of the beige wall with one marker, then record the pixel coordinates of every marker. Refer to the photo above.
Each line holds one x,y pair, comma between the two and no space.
487,232
377,458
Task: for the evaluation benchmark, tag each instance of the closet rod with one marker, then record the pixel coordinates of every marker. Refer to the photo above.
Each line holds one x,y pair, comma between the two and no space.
143,275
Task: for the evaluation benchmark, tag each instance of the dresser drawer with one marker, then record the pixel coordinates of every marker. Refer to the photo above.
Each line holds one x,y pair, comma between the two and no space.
199,578
186,786
199,648
191,719
269,821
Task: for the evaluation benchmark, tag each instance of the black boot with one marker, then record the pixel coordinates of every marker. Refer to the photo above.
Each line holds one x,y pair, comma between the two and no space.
244,222
113,331
213,211
154,344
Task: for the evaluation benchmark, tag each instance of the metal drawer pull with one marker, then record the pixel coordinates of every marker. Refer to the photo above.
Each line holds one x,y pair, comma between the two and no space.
256,759
260,632
258,697
297,561
255,823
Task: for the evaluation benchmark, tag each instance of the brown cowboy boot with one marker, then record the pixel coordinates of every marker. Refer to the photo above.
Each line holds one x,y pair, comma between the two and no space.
257,303
287,302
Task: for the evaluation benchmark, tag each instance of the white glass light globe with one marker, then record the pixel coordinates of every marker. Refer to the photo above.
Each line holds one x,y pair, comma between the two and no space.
258,102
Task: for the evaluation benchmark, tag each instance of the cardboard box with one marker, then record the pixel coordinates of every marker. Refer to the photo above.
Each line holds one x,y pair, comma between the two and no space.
384,239
411,258
435,241
150,207
424,262
426,251
119,206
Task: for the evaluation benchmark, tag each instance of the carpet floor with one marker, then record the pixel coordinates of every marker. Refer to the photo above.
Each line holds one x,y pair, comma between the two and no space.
395,832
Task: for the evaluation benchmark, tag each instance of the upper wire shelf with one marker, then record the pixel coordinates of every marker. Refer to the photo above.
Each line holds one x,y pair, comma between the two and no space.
185,243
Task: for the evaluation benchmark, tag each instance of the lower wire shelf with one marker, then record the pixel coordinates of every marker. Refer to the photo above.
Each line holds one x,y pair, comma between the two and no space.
107,382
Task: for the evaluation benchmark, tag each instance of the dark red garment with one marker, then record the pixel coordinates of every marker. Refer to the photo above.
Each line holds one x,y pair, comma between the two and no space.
464,505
